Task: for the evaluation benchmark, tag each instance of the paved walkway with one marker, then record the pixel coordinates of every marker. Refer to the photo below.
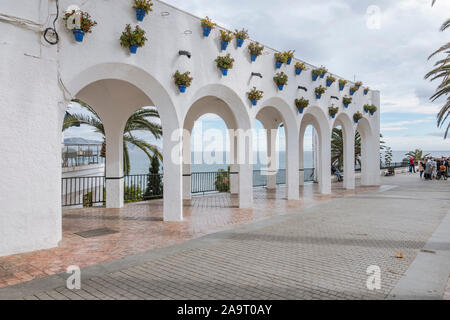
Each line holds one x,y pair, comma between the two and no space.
321,252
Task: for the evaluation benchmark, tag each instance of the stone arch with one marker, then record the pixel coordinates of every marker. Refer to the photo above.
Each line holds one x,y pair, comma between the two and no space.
348,135
369,152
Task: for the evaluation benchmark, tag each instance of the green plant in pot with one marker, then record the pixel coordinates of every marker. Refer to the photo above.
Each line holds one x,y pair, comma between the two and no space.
366,91
358,84
85,23
353,90
240,36
289,56
370,108
280,58
299,67
182,80
224,63
323,72
281,79
207,26
333,111
255,95
319,91
316,73
142,7
342,84
346,101
225,38
255,50
357,116
301,104
133,39
330,80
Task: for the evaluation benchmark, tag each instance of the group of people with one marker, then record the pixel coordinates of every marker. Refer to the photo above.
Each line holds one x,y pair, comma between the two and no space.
431,168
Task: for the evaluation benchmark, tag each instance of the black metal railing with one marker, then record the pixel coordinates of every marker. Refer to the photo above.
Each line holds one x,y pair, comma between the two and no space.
395,165
141,187
85,191
74,155
205,182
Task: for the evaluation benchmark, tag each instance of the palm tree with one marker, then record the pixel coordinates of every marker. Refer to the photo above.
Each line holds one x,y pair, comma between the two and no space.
416,154
442,71
139,121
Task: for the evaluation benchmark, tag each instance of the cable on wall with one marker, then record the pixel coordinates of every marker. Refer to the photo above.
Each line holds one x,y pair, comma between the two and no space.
51,32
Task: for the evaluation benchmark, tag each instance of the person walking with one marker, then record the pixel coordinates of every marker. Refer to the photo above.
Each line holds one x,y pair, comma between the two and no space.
434,169
421,167
428,169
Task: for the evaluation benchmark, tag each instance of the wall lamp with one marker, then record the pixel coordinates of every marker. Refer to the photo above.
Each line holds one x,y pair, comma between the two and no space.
185,53
257,74
303,88
334,97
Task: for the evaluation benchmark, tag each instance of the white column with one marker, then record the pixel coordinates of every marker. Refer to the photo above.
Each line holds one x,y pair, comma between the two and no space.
172,164
234,166
325,163
349,157
114,167
272,158
292,162
245,160
301,165
187,166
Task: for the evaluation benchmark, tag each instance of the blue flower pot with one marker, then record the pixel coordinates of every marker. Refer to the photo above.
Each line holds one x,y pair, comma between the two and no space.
329,83
140,14
239,42
298,71
371,113
182,88
79,35
224,72
254,102
224,45
314,77
322,75
366,111
341,87
133,49
333,116
206,31
289,60
300,110
318,95
280,87
278,64
366,92
356,120
346,105
253,57
352,92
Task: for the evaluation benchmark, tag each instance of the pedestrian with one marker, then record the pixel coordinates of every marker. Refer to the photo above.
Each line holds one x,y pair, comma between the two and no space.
434,169
428,169
421,167
412,166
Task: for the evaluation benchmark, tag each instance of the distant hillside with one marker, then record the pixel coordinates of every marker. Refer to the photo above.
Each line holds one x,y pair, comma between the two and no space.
77,140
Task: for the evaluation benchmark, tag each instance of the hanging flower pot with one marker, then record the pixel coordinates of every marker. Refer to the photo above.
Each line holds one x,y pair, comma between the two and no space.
255,50
240,37
323,72
133,39
280,58
142,8
370,108
357,116
358,84
319,91
280,79
278,64
254,95
289,56
85,21
333,111
301,104
299,67
366,91
224,63
342,84
207,26
346,101
316,73
182,80
353,90
330,80
225,37
224,45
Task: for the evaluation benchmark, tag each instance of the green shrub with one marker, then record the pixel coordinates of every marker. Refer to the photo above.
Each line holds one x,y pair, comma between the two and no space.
222,182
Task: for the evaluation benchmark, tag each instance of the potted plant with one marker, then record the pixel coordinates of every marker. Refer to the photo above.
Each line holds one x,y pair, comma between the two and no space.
316,73
280,58
86,24
255,50
224,63
281,79
357,116
299,67
289,55
255,95
301,104
372,109
323,72
225,38
366,91
358,84
133,39
342,84
319,91
182,80
330,80
240,36
333,111
346,101
353,90
207,26
142,7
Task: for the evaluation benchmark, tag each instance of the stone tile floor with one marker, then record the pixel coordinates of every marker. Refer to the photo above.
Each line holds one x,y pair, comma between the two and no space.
140,228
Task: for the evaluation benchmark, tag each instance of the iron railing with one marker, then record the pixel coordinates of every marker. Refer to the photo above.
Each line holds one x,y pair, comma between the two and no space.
205,182
74,155
85,191
141,187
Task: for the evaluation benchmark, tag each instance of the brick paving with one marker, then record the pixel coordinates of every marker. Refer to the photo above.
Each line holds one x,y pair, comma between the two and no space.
140,228
320,253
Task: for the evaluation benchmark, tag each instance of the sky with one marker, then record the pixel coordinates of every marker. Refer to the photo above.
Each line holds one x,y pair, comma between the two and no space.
383,43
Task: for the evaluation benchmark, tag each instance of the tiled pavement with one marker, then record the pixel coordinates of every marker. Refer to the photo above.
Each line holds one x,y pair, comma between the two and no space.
140,228
320,253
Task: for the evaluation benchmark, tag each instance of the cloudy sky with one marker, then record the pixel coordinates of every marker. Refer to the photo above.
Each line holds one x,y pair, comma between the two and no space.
384,43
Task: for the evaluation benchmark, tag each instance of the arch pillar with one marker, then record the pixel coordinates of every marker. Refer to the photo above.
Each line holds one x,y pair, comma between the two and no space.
114,167
245,162
234,166
187,177
324,173
173,174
